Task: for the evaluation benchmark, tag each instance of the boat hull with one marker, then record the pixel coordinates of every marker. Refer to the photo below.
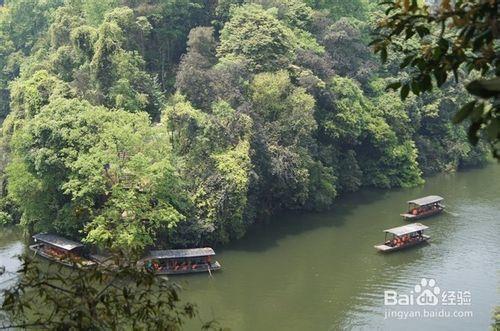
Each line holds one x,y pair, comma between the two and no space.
411,217
213,267
39,252
386,248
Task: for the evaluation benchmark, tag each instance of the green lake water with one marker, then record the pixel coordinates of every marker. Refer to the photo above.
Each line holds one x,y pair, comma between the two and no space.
319,271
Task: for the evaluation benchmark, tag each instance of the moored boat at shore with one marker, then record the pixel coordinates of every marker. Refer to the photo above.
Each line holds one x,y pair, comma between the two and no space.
180,261
424,207
61,250
403,237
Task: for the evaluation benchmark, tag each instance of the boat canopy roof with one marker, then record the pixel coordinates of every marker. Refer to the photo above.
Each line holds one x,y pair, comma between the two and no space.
181,253
426,200
407,229
57,241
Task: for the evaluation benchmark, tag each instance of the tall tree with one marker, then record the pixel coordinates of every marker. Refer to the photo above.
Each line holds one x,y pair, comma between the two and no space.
77,167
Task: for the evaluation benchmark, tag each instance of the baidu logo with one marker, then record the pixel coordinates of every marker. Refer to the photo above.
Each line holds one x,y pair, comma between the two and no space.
427,293
427,301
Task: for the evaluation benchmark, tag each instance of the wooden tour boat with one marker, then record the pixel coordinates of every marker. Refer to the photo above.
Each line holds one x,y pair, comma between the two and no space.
180,261
424,207
404,237
61,250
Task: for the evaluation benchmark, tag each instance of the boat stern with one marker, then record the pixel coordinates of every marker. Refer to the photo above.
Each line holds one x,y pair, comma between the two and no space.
383,248
215,266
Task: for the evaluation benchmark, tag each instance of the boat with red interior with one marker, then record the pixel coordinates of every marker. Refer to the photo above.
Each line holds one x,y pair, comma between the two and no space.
424,207
404,237
180,261
61,250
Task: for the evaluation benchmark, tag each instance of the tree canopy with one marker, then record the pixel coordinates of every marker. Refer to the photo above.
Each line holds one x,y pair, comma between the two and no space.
131,124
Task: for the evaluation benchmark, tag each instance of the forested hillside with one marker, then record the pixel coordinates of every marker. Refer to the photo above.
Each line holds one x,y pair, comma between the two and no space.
182,122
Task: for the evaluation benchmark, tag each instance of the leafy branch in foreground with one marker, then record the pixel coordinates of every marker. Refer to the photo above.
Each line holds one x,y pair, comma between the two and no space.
122,298
452,36
496,319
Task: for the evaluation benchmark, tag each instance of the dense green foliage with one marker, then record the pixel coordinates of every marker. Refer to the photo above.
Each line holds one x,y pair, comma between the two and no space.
182,122
94,299
452,37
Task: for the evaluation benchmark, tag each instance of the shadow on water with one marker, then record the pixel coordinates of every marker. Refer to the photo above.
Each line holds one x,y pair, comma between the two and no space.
266,233
9,235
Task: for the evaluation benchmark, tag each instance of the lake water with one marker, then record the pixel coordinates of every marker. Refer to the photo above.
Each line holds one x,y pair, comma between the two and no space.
320,271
